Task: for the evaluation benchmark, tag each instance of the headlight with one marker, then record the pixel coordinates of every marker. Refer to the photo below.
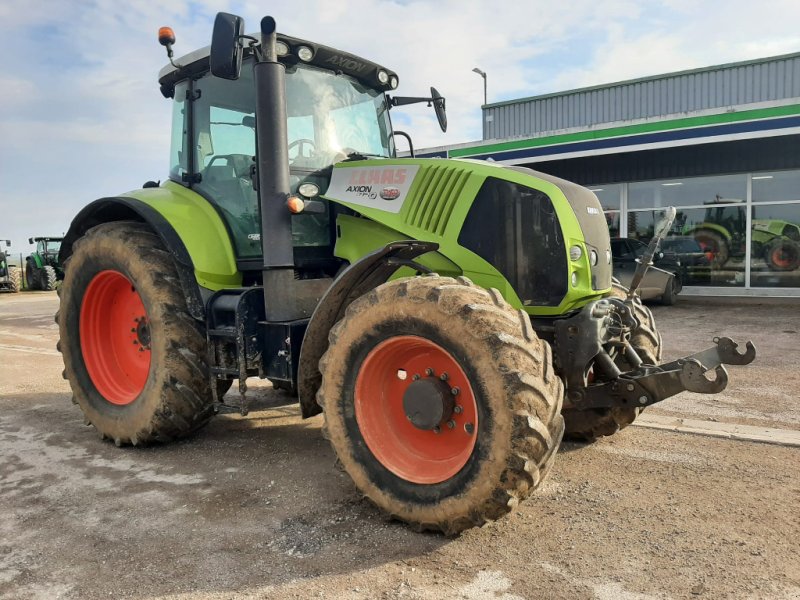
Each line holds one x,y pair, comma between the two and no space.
393,82
574,279
309,190
305,53
383,77
575,253
608,256
593,258
281,48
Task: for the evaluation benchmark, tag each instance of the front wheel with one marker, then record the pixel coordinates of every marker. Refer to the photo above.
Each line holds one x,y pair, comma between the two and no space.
782,254
31,276
133,355
440,402
590,424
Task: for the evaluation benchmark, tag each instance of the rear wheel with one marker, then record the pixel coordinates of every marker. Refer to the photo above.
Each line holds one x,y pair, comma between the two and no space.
670,294
588,425
714,245
14,279
31,275
440,401
133,355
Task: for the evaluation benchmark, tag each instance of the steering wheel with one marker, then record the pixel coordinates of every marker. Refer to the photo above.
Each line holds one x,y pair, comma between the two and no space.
300,144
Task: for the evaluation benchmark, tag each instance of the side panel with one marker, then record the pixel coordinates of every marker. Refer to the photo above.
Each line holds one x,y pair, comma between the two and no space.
434,207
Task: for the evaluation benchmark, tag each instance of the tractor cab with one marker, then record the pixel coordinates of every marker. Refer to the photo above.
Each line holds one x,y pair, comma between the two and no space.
336,107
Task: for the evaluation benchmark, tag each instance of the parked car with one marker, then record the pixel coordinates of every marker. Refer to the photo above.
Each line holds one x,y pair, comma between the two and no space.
662,283
692,262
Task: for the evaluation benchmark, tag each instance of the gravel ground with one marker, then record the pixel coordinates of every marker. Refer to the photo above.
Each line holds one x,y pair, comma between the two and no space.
254,508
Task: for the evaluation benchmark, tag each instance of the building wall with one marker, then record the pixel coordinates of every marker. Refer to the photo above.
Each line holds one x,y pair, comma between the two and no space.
738,84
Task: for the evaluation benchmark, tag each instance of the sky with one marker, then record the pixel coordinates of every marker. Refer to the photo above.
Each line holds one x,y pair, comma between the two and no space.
81,116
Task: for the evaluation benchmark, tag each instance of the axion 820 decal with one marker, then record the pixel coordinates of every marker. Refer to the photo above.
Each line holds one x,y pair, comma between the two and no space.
384,188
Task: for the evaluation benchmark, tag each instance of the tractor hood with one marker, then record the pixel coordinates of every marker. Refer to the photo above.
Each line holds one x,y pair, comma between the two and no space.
438,200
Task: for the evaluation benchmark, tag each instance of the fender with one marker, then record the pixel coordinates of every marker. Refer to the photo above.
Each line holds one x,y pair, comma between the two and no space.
35,259
360,277
106,210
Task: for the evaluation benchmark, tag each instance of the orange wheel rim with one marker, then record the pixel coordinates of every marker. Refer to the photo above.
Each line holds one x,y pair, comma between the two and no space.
115,337
781,259
424,456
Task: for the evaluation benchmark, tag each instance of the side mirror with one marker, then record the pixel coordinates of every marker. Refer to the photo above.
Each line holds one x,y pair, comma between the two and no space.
8,243
30,240
439,108
225,58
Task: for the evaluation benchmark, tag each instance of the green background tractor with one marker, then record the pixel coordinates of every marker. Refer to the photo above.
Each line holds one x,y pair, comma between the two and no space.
722,236
43,268
451,319
10,278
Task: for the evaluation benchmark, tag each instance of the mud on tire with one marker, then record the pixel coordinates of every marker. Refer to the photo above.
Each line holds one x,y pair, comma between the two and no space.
588,425
176,398
511,377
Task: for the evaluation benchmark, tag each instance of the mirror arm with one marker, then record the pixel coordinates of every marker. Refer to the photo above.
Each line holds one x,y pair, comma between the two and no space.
404,100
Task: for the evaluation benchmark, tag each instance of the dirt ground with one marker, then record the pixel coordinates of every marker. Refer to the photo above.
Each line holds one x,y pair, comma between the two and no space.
254,507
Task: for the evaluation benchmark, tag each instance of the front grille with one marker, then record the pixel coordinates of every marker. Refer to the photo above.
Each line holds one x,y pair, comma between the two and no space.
516,230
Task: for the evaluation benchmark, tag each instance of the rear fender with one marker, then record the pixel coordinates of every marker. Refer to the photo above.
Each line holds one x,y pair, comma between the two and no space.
107,210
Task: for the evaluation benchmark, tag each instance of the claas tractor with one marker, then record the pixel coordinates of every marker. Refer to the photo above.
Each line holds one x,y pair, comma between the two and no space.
451,319
9,274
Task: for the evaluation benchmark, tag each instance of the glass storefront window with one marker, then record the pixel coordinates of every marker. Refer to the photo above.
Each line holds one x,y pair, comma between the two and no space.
776,187
708,242
775,246
612,219
610,195
696,191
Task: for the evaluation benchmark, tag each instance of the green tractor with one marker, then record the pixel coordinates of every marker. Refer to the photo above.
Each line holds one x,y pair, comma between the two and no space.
722,237
9,274
451,319
43,269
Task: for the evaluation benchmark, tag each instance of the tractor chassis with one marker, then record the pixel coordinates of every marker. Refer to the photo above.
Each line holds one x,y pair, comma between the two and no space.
586,344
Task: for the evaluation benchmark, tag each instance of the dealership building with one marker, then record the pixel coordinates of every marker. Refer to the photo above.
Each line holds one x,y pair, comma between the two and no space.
721,144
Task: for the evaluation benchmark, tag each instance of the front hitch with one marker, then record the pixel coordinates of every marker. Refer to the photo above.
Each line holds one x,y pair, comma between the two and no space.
649,384
587,344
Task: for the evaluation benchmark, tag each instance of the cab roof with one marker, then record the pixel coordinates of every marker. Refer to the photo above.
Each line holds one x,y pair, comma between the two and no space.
196,63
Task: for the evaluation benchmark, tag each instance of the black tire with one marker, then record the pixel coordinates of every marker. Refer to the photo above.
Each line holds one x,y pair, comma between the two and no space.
714,243
47,278
31,275
589,425
782,254
670,294
14,279
176,398
517,393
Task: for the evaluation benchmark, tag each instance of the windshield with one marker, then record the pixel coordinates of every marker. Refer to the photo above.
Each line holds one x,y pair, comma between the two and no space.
329,117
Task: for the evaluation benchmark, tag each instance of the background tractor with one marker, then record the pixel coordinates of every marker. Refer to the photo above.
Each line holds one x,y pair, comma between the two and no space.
43,268
451,319
722,237
9,274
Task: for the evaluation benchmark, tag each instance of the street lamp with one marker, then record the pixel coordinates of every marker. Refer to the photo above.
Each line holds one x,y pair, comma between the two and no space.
482,74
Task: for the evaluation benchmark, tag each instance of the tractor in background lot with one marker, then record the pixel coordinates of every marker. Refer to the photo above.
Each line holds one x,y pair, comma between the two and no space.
9,274
43,268
451,319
